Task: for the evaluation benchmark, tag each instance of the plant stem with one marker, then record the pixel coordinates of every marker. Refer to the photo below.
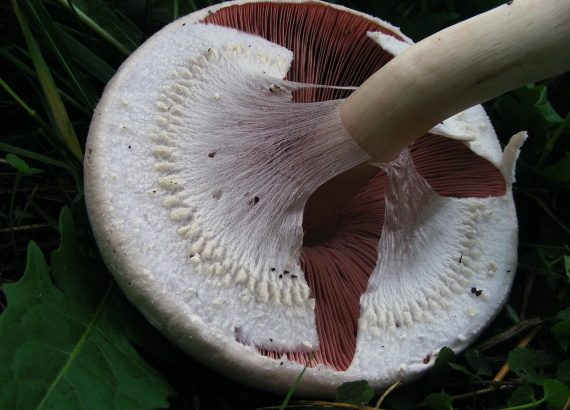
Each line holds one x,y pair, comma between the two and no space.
292,389
175,12
534,404
32,113
97,29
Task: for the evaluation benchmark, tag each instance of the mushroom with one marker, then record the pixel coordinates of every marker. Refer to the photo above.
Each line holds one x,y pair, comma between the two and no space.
209,155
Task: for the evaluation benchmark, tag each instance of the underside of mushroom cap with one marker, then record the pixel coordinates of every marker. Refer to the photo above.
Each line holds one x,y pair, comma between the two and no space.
197,172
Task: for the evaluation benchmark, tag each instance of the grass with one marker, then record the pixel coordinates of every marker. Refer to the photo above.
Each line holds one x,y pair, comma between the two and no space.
56,57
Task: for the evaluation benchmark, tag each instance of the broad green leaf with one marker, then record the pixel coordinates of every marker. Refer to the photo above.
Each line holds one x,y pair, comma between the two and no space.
567,266
535,99
523,395
439,401
64,338
529,364
556,392
358,393
444,356
526,108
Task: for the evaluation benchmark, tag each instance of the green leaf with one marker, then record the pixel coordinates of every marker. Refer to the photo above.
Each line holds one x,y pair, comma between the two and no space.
556,392
559,173
563,371
561,331
358,392
567,266
523,395
21,165
529,364
563,314
526,108
64,338
462,369
478,362
543,106
439,401
445,356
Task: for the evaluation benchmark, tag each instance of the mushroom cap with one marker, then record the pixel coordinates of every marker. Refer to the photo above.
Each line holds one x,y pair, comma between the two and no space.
197,225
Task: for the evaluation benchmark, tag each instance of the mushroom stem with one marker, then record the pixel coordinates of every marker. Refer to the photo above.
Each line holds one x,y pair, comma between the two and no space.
464,65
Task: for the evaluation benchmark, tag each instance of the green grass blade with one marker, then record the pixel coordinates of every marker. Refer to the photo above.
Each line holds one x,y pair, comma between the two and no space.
50,91
292,389
88,61
33,155
99,17
175,10
32,113
52,34
23,67
52,222
192,5
29,71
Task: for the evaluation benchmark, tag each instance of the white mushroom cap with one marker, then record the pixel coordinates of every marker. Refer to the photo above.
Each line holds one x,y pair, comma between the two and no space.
199,163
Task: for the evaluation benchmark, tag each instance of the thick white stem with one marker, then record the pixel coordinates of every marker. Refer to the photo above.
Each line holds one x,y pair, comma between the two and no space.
464,65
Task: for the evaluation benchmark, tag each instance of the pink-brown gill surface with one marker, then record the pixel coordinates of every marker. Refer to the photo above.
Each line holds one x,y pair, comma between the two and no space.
343,220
